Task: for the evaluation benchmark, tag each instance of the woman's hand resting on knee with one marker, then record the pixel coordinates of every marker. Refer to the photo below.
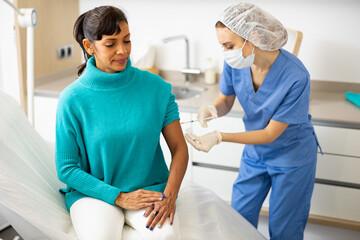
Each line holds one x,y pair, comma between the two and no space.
137,199
161,210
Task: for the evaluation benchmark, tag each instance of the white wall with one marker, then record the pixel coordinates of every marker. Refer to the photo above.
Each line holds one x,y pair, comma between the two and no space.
1,80
9,75
330,48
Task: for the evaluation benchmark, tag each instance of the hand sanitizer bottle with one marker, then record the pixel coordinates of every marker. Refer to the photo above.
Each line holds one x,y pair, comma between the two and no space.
210,73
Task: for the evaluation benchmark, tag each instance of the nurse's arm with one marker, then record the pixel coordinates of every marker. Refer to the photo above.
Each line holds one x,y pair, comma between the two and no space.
224,104
267,135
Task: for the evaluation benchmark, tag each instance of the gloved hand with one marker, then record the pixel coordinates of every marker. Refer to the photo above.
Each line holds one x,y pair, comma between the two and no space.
204,143
206,112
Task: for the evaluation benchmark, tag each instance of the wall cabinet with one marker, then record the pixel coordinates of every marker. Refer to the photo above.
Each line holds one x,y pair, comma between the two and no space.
337,191
218,180
225,154
45,117
218,169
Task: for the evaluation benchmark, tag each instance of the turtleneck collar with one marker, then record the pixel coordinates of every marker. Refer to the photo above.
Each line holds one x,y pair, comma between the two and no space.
94,78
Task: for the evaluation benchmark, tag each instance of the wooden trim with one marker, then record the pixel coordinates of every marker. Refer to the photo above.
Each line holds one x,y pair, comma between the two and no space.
334,222
326,221
321,220
298,40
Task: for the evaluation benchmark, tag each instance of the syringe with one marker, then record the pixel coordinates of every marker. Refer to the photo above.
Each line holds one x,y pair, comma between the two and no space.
209,118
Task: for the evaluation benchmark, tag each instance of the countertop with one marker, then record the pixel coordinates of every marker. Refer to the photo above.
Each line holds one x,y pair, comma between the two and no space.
328,105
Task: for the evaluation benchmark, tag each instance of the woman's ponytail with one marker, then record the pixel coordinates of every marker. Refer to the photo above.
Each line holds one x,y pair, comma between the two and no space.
80,36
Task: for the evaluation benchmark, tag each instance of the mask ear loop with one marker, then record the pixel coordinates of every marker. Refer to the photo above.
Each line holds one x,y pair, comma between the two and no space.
243,44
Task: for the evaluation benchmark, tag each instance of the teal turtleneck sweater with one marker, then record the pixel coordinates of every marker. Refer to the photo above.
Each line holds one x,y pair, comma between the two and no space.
108,128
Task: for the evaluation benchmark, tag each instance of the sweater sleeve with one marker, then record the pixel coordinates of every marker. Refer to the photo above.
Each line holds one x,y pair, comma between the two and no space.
68,160
172,111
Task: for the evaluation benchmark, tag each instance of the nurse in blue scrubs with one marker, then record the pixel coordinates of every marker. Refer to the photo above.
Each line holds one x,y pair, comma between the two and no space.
273,88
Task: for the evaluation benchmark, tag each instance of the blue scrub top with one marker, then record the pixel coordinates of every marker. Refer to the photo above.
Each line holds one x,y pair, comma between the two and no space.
283,96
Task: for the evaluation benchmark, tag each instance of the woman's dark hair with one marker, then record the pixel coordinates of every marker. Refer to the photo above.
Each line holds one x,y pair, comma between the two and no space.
94,23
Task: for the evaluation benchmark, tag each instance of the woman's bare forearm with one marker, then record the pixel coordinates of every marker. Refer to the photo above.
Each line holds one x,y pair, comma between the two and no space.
178,168
179,152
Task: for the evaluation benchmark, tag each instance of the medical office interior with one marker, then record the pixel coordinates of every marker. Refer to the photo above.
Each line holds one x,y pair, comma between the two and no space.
177,40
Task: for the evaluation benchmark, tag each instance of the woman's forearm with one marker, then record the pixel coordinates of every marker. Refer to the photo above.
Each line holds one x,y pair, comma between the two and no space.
71,174
177,170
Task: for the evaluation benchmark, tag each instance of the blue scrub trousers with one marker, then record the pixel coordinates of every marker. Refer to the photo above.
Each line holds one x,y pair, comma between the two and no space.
290,196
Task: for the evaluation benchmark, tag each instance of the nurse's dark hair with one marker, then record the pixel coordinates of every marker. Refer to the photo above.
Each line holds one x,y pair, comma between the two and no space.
95,23
219,24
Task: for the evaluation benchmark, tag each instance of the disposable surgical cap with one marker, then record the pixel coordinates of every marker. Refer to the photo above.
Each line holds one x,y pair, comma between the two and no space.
255,25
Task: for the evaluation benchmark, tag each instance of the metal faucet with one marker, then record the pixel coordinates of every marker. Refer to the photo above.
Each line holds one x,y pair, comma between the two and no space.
187,71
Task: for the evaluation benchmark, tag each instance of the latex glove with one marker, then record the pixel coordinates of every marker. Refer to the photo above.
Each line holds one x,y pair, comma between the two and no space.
206,112
204,143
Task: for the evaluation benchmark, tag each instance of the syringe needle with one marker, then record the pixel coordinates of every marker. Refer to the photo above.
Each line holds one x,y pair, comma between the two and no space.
209,118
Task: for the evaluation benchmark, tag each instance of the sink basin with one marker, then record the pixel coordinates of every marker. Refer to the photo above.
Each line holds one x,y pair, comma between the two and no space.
186,92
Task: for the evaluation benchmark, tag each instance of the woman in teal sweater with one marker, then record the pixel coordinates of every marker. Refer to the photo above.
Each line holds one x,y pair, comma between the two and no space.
108,128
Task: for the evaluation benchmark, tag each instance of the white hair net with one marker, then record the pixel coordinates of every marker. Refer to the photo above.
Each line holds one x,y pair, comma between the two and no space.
255,25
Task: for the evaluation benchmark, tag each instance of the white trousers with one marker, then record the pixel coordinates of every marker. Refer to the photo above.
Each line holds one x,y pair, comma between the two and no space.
94,219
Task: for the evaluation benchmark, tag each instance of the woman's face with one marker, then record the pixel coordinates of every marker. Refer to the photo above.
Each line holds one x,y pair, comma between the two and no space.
112,51
231,41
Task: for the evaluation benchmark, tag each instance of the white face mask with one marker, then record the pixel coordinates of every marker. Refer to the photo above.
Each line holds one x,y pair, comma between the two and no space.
235,59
